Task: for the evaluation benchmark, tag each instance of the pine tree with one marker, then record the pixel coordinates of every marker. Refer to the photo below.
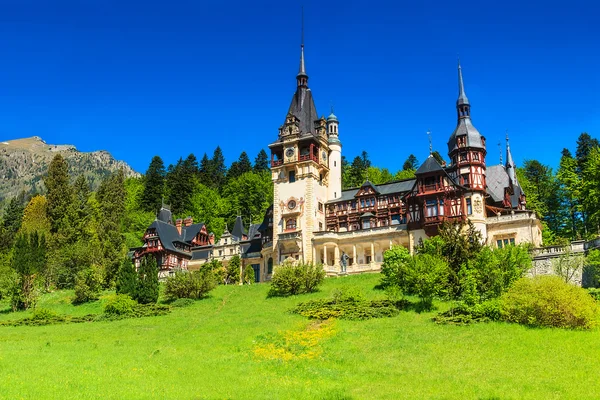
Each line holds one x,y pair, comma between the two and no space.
244,163
204,171
411,163
11,223
111,199
80,211
585,144
60,194
127,279
261,162
147,291
218,170
232,272
154,185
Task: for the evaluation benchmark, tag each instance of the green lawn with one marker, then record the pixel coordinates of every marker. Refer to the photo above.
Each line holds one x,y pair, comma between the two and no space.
219,348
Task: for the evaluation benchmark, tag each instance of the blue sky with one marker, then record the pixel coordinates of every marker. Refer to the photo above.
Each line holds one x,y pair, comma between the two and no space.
172,78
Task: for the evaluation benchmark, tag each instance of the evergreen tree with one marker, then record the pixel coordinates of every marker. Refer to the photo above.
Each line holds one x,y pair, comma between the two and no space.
411,163
111,198
59,194
181,180
29,258
11,223
218,170
80,212
154,185
147,291
127,278
585,144
357,172
239,167
204,171
261,162
571,188
232,272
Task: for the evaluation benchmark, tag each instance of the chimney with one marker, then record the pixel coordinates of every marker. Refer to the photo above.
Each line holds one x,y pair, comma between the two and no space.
188,221
178,225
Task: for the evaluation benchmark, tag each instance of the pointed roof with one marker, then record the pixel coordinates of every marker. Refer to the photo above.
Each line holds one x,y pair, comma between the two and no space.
464,126
165,215
430,165
238,228
511,167
462,96
371,185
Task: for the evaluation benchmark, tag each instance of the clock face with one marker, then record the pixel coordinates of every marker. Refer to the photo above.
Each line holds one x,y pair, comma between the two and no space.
291,204
289,152
324,154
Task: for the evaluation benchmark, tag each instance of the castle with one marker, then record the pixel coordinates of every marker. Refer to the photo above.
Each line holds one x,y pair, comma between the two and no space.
313,220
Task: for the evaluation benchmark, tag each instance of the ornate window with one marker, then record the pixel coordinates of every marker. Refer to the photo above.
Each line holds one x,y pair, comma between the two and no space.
290,224
432,208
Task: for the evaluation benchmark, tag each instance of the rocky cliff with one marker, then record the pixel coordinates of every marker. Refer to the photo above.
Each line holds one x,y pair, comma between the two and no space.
24,162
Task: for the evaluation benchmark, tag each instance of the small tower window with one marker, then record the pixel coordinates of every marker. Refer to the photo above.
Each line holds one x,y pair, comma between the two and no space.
292,176
469,206
335,163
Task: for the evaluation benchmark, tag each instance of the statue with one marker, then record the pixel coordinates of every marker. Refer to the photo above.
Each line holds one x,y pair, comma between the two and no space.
343,262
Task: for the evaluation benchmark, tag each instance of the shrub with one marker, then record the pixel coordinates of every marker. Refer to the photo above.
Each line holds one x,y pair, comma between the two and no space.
119,304
349,305
549,301
289,279
427,278
231,275
595,293
463,314
190,285
42,314
394,267
88,285
249,275
183,302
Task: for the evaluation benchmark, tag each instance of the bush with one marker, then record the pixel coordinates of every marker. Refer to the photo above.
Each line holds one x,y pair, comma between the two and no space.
190,285
349,305
289,279
249,275
183,302
43,314
88,285
119,304
549,301
463,314
394,267
231,275
595,293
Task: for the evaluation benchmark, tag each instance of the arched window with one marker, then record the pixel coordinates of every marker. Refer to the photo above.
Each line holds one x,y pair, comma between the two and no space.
270,266
290,223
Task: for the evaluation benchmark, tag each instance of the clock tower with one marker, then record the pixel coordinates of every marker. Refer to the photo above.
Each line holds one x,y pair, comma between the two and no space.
301,172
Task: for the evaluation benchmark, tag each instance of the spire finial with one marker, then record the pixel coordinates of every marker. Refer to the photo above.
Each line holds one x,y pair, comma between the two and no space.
430,143
462,97
507,140
332,108
500,150
302,78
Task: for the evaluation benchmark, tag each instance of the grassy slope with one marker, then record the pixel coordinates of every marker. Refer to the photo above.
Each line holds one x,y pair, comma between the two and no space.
206,351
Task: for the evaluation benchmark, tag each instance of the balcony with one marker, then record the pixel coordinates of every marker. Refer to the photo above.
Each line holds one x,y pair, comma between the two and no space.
308,157
276,163
297,235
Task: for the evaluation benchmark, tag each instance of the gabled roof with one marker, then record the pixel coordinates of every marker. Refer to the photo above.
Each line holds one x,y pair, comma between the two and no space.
190,232
168,234
498,179
368,184
430,165
402,186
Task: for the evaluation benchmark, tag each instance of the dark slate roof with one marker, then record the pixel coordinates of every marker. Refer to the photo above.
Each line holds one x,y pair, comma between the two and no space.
253,231
497,179
368,183
191,231
465,128
251,247
303,107
201,253
238,229
168,234
403,186
264,226
462,96
430,165
165,215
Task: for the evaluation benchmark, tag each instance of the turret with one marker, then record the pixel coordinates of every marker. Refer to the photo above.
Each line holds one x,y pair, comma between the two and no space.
335,157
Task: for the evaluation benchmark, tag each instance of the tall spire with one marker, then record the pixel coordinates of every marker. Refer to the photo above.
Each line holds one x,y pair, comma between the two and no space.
510,164
302,78
462,97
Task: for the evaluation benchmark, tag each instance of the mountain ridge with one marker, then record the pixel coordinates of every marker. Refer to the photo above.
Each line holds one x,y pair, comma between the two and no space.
25,161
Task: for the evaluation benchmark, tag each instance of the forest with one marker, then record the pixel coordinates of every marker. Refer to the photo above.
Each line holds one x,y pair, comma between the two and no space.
71,229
